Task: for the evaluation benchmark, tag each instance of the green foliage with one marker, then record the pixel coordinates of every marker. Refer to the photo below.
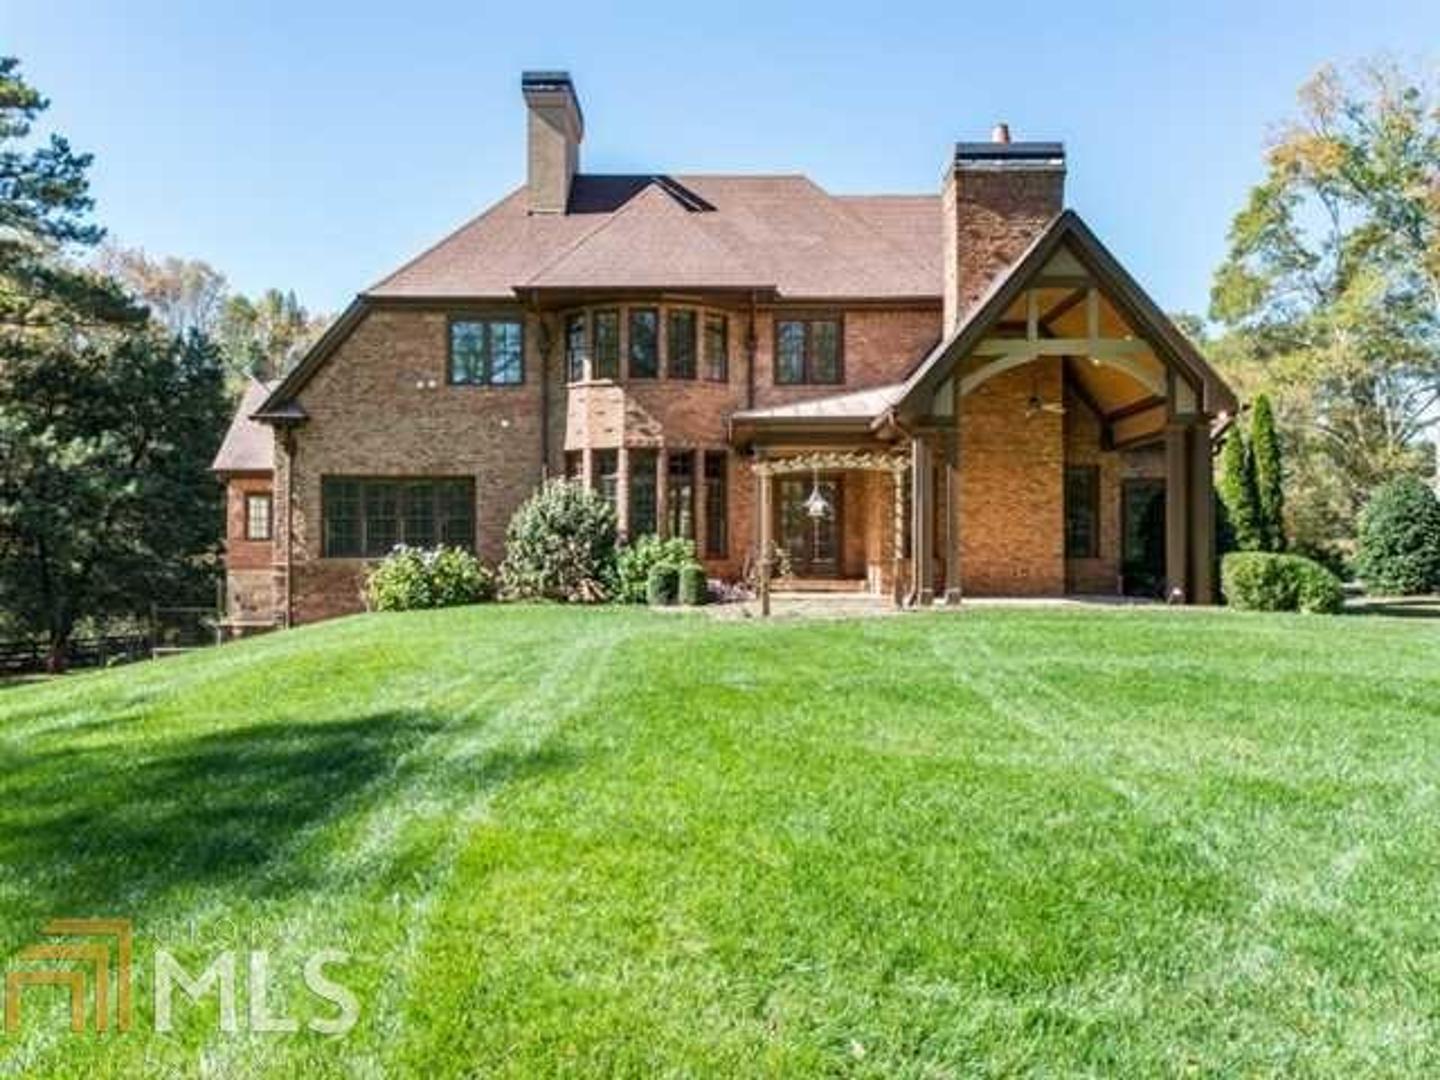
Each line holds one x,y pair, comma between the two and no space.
1265,459
662,584
1236,487
1268,581
1399,547
409,579
560,545
635,560
692,585
1329,296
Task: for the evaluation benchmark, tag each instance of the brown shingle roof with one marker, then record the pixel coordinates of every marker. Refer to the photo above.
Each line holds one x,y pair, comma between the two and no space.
249,445
780,232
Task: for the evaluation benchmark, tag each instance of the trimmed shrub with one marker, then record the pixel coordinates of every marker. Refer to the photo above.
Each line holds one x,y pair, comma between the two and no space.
560,545
693,590
635,561
662,584
412,578
1263,581
1399,549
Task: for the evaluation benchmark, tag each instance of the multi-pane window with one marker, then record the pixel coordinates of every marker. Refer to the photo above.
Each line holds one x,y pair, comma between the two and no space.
605,474
1082,512
680,493
717,535
807,351
644,343
606,360
575,347
366,518
717,348
680,343
643,519
486,352
257,517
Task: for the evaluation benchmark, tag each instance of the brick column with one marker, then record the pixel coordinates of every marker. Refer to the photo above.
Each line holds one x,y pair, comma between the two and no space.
1202,516
1177,511
662,492
622,490
952,501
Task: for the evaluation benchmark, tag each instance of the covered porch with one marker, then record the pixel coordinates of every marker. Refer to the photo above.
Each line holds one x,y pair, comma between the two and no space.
1057,443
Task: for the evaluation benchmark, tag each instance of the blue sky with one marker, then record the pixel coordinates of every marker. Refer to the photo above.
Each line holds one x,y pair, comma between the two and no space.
316,146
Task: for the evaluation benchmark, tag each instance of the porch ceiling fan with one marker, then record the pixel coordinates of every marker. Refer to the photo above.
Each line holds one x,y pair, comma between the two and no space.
1037,405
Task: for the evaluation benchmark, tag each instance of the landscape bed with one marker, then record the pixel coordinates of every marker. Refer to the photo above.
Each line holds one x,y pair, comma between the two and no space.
605,841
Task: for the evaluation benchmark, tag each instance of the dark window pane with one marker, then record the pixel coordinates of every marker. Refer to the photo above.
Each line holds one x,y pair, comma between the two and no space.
507,354
456,508
790,352
680,493
257,517
680,341
575,347
340,503
825,351
1082,512
574,464
382,518
717,348
716,526
467,352
419,508
607,344
642,492
644,343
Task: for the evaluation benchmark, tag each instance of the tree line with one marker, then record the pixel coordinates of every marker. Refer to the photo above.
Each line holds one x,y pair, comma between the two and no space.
117,379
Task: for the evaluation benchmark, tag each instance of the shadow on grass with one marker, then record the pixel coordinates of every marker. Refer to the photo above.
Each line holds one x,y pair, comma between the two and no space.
1402,607
92,831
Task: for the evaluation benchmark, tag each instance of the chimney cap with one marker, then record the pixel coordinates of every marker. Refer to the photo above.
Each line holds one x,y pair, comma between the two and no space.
539,83
1008,153
1000,133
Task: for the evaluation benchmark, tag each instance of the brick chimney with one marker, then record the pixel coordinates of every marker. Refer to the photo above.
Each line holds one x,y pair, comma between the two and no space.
996,199
556,127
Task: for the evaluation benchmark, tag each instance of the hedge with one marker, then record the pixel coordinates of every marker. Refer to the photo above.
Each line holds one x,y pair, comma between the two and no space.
662,585
692,585
1262,581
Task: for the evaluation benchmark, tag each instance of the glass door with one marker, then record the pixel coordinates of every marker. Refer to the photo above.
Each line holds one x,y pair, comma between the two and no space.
813,543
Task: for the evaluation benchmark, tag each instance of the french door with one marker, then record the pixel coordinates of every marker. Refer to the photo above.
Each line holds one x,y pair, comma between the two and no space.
813,543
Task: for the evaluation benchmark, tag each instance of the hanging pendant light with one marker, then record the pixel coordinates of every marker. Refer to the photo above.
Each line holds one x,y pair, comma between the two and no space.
816,505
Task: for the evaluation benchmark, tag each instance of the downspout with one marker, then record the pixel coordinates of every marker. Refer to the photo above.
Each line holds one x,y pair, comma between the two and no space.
292,448
750,347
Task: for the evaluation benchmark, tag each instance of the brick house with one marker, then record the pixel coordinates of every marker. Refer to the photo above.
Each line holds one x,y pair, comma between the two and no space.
922,396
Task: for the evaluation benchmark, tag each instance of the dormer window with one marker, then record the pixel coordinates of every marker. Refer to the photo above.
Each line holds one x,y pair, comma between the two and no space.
808,351
487,352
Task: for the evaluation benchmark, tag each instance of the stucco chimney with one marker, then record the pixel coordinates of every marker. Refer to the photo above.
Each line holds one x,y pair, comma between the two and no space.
556,127
997,197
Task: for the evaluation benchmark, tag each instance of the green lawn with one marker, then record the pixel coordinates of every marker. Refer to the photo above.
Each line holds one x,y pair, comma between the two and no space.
613,842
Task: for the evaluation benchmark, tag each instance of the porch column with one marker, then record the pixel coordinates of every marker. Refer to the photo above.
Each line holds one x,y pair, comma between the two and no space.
762,477
952,501
662,492
1177,511
897,497
922,529
1202,515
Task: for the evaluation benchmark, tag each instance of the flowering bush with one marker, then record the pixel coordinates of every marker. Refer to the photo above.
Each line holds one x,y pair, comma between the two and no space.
411,578
560,545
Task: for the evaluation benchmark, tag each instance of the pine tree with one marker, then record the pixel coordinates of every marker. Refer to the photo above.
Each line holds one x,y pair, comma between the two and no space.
1236,486
1265,459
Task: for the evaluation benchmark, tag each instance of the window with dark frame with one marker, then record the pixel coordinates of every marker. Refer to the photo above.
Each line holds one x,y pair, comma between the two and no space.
717,348
367,517
575,347
644,343
680,493
717,526
257,517
574,464
487,352
643,489
1082,511
605,332
605,474
808,352
680,343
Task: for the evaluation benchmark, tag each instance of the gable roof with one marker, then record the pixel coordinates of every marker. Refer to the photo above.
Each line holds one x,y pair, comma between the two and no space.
1124,291
781,233
249,445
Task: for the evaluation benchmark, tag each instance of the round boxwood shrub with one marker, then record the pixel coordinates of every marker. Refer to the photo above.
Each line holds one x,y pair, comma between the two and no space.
662,585
412,578
560,545
635,561
692,585
1399,549
1262,581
